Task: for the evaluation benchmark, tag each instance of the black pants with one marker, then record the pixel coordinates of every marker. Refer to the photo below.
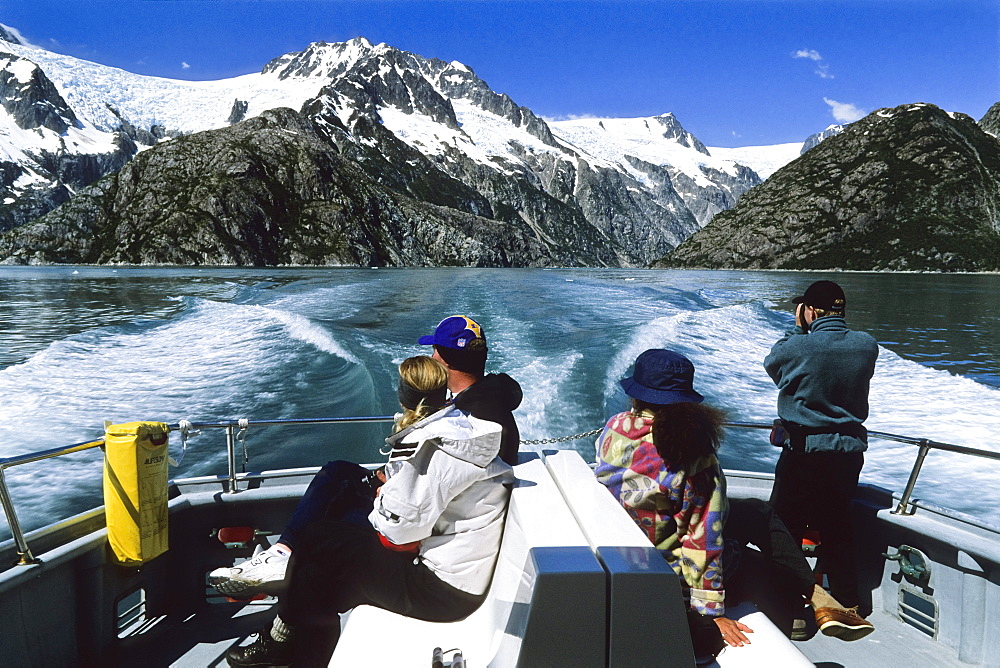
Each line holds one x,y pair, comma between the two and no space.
338,565
340,490
815,490
777,578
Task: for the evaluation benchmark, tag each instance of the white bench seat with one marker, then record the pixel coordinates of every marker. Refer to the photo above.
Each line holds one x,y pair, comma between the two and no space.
544,607
655,608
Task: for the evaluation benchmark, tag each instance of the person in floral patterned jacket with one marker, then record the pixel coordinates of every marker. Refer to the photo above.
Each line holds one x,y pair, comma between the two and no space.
659,460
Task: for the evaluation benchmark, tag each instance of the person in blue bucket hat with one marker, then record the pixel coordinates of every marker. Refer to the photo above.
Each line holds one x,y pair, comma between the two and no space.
660,462
662,377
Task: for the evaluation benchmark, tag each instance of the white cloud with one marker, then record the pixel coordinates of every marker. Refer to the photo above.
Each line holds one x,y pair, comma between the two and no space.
822,69
811,54
572,117
844,112
17,35
185,66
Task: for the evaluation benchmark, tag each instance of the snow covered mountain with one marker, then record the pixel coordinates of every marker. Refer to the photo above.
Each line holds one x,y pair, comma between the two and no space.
764,160
645,148
629,189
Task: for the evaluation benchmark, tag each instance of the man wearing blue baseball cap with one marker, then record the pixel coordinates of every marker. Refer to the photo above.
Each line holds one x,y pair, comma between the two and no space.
460,344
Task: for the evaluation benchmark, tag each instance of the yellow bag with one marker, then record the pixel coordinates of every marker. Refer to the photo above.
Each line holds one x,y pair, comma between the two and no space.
135,490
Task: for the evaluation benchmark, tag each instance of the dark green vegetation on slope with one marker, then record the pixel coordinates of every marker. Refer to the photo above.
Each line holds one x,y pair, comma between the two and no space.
909,188
275,189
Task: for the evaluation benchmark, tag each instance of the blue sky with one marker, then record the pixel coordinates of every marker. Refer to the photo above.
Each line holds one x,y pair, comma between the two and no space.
734,72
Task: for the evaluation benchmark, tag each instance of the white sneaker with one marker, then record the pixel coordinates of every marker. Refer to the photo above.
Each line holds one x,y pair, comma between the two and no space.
264,573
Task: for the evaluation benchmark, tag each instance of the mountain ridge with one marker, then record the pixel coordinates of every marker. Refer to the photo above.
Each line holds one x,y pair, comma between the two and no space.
454,124
908,188
418,148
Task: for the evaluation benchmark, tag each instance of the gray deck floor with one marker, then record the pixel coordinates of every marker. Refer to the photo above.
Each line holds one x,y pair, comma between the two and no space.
893,643
198,641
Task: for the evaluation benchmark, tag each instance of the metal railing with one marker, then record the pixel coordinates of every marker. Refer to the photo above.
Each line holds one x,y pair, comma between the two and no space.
924,445
25,556
231,426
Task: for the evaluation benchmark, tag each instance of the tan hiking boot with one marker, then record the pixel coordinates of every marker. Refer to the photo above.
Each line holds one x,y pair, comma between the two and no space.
843,623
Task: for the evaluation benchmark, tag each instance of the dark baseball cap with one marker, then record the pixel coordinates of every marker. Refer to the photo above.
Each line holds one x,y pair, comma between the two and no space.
825,295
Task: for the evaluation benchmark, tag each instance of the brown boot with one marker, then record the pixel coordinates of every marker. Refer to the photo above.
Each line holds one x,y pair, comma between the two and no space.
843,623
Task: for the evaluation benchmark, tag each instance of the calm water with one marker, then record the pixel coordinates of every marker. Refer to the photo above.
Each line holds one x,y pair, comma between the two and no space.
82,345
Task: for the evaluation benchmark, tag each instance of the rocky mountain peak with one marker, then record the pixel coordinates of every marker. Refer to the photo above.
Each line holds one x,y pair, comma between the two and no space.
320,60
814,139
908,188
384,76
669,127
30,97
8,35
990,122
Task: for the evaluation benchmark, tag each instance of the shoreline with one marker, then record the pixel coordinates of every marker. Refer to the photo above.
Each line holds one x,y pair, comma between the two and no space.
123,265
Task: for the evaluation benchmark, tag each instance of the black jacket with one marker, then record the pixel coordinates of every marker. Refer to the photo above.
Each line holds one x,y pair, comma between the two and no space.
494,398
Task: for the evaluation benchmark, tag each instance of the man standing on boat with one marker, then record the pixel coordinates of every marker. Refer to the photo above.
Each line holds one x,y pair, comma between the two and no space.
822,370
460,344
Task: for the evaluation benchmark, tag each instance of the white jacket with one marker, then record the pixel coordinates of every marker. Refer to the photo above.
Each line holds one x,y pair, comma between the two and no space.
445,488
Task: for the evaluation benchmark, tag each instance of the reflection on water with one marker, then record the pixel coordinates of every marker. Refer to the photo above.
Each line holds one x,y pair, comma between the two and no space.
942,321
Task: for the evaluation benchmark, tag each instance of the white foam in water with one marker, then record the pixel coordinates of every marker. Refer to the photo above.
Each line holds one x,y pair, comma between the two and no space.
217,361
727,346
913,400
543,381
302,329
567,343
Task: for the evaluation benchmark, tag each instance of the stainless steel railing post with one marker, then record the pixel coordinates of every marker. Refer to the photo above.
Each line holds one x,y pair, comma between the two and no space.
23,551
904,501
231,454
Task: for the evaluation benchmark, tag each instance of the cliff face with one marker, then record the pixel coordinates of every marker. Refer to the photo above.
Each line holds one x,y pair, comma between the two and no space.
271,190
48,152
990,122
397,134
909,188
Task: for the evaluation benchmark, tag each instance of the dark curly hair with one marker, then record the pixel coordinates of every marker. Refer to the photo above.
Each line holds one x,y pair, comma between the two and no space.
684,432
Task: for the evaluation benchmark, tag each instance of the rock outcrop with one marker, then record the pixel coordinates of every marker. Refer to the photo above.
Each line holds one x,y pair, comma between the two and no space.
49,152
990,122
272,190
909,188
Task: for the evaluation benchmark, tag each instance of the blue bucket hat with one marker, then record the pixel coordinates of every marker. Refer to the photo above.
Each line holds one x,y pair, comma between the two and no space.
662,377
459,332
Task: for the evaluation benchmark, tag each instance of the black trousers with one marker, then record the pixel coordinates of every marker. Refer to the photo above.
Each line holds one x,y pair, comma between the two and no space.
338,565
815,490
340,490
778,577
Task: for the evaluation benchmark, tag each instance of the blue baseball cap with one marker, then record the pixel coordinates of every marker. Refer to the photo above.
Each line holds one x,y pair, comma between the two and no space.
457,331
662,377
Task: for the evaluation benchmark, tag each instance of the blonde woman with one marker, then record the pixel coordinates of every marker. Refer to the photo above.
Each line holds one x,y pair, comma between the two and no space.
421,541
340,489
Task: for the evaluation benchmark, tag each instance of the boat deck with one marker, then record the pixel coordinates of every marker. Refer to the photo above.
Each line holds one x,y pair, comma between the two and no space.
65,608
203,639
893,643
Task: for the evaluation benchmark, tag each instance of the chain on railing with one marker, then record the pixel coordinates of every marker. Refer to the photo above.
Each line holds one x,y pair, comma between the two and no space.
562,439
